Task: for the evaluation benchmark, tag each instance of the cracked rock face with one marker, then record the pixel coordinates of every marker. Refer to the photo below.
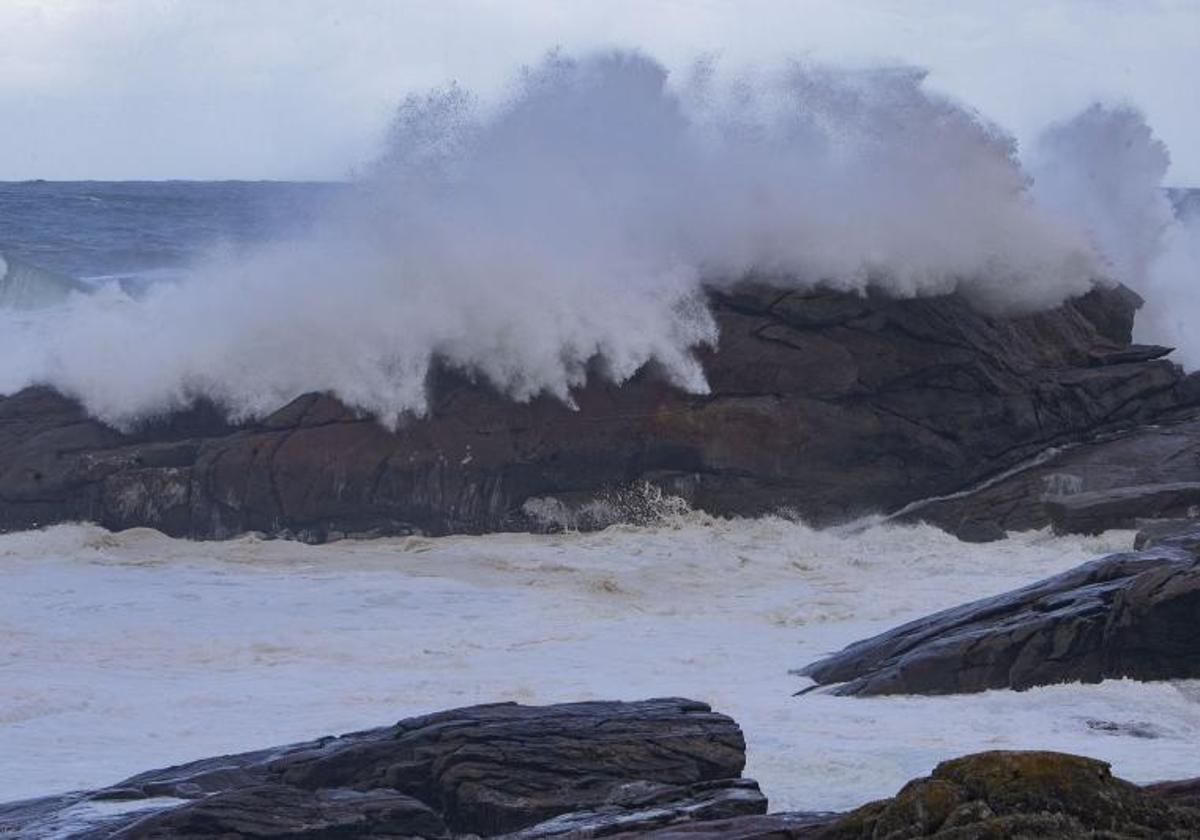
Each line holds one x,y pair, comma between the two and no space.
826,404
1126,615
596,768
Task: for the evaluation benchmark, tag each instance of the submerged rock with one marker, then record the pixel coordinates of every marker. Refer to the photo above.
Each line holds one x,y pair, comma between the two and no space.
581,769
1126,615
825,404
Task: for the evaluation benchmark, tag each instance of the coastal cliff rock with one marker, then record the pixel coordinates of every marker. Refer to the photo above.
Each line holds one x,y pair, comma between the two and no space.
582,769
825,404
1126,615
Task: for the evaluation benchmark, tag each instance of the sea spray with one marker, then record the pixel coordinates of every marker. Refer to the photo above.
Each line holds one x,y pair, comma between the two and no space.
1103,169
570,230
1172,291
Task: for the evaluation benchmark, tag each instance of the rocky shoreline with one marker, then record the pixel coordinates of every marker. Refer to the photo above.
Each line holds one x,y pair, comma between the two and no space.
660,768
825,405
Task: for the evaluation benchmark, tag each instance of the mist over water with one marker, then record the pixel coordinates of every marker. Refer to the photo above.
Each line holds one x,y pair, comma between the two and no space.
573,226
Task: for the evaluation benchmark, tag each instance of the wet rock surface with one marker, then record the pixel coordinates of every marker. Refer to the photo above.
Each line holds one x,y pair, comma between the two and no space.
826,404
1121,507
1126,615
1117,481
582,769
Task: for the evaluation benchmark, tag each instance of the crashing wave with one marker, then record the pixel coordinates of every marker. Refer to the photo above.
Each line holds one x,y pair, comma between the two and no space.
574,229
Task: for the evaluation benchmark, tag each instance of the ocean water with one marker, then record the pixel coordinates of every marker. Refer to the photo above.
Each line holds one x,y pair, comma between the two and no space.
98,230
122,652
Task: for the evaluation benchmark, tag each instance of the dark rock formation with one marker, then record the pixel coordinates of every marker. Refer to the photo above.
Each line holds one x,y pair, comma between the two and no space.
1022,794
1099,510
584,769
1115,481
827,404
1126,615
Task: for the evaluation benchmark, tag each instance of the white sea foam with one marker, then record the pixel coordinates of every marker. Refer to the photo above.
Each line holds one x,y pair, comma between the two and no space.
129,651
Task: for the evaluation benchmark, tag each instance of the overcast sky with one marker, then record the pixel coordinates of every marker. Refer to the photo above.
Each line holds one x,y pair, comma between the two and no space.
111,89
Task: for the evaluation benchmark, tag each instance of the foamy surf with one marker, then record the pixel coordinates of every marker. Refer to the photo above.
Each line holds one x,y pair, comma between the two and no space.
127,651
